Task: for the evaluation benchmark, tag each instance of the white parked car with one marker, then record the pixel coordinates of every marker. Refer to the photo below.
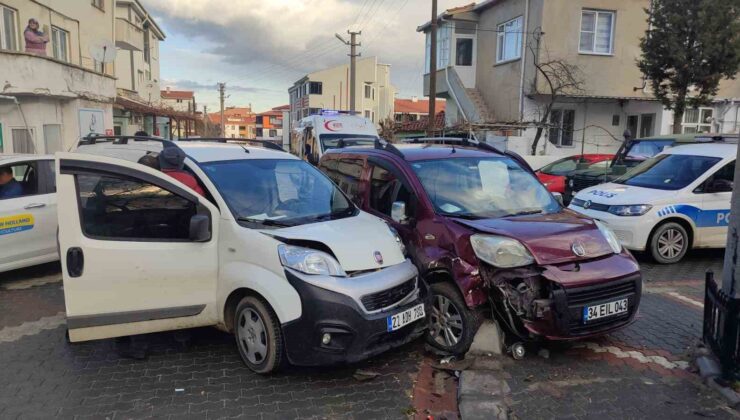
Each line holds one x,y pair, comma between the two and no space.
28,221
675,201
273,252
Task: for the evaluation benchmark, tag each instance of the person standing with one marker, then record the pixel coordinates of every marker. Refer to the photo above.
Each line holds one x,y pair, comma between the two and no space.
35,39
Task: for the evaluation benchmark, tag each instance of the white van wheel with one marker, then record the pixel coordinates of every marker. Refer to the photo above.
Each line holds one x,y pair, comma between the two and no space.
258,335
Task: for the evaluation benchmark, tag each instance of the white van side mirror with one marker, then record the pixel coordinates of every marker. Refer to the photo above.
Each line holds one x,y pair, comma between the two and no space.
398,212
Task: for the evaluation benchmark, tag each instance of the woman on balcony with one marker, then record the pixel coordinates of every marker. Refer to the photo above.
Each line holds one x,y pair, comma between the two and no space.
35,39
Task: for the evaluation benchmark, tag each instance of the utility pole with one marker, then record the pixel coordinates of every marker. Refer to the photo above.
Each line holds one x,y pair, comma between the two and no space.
205,121
353,44
433,71
221,89
731,272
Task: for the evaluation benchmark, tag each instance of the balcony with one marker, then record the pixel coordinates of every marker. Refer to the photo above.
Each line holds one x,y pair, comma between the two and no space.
28,74
129,37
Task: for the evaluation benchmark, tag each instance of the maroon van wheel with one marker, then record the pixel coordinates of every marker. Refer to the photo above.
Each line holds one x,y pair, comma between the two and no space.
452,325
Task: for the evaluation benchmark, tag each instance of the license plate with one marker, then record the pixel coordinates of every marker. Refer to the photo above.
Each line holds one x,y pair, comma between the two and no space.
406,317
604,310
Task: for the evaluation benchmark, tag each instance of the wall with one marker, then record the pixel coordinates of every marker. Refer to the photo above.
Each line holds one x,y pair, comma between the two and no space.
87,25
40,111
500,84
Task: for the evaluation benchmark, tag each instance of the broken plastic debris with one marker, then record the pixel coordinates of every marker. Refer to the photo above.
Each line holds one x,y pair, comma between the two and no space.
447,360
179,389
365,375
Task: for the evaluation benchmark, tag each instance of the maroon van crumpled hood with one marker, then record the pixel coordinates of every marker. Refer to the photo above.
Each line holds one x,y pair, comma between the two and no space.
549,237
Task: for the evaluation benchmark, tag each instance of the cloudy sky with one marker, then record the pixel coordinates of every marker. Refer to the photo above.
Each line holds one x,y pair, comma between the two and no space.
260,47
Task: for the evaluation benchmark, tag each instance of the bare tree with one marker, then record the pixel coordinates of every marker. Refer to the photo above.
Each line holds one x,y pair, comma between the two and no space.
561,78
387,129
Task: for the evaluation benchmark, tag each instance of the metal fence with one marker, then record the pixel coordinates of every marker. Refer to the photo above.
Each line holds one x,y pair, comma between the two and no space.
722,327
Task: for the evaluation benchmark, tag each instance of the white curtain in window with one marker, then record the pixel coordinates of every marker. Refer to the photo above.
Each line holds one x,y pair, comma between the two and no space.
604,33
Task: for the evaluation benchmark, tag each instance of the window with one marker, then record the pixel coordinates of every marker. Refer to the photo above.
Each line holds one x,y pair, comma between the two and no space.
697,120
113,207
315,88
22,140
59,43
561,167
647,122
346,175
100,4
273,133
561,127
641,126
443,46
509,40
597,32
26,175
52,138
8,30
385,189
464,52
367,113
368,92
147,52
727,173
668,172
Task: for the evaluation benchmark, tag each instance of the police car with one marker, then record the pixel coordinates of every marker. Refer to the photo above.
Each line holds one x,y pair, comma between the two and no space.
673,202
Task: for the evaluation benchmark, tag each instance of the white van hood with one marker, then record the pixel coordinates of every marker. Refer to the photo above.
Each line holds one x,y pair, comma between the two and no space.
353,240
619,194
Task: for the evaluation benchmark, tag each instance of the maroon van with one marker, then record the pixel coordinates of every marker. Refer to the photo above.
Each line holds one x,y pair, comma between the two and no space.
489,238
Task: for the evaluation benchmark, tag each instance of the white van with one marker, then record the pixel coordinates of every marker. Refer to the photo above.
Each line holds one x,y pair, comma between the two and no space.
272,251
672,202
316,134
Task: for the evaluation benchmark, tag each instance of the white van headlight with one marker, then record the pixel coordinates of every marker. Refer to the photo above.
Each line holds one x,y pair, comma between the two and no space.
500,251
395,234
309,261
610,237
630,210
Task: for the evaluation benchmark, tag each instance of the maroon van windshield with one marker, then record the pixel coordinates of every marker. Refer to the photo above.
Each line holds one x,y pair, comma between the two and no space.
483,188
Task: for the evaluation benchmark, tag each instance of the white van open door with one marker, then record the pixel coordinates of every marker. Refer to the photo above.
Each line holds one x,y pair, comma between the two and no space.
139,249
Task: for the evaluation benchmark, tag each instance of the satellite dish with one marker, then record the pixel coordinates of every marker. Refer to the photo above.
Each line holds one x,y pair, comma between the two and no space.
103,51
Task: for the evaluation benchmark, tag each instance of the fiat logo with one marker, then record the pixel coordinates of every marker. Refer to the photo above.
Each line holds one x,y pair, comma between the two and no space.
578,249
378,257
587,204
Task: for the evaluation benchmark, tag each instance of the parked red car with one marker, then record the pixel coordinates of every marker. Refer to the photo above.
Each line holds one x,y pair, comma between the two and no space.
489,238
553,175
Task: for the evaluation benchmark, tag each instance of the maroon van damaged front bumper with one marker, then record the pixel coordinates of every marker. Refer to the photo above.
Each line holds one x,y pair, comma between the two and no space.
549,301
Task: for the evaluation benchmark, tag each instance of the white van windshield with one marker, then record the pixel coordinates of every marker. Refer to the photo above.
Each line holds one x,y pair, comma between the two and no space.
278,192
331,141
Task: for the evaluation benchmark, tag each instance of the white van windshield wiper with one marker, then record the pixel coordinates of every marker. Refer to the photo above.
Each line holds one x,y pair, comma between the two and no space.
265,222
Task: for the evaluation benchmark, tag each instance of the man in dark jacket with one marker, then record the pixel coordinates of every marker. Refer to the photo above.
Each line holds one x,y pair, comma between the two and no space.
9,187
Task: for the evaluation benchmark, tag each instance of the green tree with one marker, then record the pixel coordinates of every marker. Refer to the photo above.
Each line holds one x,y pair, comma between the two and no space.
690,47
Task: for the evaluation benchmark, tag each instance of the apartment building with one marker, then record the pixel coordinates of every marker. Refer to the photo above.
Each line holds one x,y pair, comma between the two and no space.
239,122
329,89
486,70
269,125
182,101
48,100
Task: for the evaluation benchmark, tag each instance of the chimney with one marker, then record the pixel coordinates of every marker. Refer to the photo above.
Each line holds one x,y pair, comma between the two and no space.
414,99
168,89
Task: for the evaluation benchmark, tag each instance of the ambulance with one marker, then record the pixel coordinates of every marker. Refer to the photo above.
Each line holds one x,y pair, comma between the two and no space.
673,202
318,133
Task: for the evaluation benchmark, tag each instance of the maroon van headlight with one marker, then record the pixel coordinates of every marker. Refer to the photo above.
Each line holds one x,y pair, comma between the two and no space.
500,251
